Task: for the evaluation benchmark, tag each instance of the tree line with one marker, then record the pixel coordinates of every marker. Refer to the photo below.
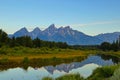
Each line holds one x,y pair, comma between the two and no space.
115,46
26,41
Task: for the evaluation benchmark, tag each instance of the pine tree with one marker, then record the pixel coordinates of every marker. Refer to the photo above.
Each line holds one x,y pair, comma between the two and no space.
105,46
119,41
12,42
3,37
37,43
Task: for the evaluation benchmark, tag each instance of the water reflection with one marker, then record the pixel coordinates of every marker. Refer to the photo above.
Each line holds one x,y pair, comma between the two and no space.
68,67
85,68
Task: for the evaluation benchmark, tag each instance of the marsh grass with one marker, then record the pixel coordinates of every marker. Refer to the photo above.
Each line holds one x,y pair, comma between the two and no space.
4,60
70,77
116,75
36,62
47,78
103,73
25,60
66,77
18,53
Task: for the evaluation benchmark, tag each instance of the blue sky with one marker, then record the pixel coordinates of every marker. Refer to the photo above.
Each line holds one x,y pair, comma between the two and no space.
89,16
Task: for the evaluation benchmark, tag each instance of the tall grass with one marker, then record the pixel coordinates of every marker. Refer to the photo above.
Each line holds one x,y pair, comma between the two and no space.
66,77
25,60
116,75
70,77
47,78
103,72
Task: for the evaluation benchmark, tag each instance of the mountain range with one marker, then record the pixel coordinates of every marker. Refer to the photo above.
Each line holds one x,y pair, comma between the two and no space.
66,34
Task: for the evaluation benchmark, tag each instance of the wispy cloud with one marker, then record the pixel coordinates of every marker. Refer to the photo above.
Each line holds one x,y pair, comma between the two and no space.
80,25
95,23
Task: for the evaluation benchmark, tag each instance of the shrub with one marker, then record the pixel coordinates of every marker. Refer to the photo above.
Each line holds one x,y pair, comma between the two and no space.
116,75
4,60
47,78
3,50
71,77
103,72
25,60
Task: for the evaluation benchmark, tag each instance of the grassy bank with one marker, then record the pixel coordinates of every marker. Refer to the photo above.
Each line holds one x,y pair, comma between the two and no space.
19,53
112,53
37,57
104,73
37,62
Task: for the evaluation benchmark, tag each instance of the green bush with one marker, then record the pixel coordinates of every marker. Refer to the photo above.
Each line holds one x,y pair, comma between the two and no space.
103,72
47,78
4,60
71,77
3,50
25,60
116,75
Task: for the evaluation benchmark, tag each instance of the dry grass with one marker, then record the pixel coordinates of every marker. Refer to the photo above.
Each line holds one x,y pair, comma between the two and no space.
19,53
32,53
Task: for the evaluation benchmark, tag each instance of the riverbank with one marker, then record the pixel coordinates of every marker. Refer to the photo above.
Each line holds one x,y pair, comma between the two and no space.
37,57
19,53
101,73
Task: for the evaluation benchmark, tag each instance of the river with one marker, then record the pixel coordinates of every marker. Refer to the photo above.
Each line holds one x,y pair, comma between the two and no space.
84,68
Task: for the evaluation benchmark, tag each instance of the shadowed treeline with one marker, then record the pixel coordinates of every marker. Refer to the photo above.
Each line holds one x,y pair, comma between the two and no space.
26,41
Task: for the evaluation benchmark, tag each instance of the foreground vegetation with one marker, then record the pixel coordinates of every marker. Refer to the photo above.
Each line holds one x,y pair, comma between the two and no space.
101,73
66,77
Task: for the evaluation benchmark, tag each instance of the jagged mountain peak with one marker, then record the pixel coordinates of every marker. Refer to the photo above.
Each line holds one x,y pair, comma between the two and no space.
62,34
67,31
37,29
67,27
61,27
24,29
52,26
35,33
51,29
22,32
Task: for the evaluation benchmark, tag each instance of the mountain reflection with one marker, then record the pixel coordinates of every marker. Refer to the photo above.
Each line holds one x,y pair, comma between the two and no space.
68,67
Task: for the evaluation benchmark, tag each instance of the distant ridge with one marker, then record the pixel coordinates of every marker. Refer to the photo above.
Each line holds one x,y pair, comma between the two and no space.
108,37
66,34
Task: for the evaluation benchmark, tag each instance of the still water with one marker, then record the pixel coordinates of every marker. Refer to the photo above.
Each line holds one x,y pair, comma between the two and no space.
84,68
